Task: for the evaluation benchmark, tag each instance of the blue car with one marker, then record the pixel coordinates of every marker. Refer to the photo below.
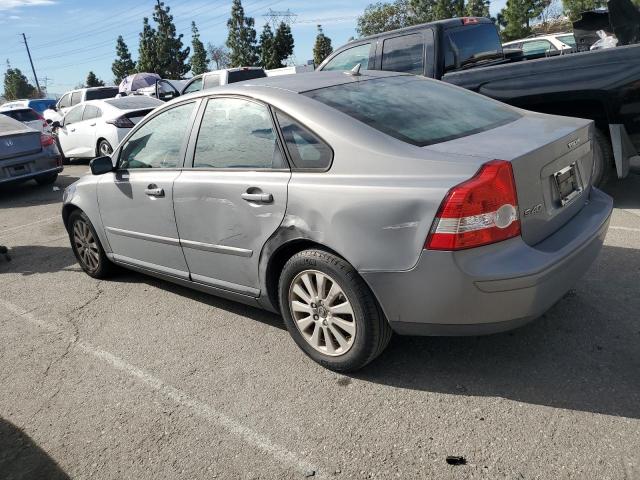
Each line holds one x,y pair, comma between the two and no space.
37,104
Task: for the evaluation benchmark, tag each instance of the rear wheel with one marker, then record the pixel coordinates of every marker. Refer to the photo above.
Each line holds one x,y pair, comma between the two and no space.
330,312
603,160
104,148
47,179
87,247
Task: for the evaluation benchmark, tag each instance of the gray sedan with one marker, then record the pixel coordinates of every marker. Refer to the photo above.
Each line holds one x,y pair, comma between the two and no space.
354,204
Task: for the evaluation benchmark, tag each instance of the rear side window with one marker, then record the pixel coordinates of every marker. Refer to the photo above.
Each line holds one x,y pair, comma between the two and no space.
242,75
416,110
22,115
349,58
404,54
211,81
102,93
76,98
91,111
307,151
237,133
471,44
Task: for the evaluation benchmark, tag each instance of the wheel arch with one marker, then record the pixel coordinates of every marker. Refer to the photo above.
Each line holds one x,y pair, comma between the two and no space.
100,139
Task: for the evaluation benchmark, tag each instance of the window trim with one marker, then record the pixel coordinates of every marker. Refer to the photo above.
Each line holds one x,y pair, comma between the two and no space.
294,167
193,138
183,150
420,33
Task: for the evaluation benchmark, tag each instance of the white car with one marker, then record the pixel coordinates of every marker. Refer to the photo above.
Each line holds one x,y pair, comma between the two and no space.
76,97
26,115
96,127
555,44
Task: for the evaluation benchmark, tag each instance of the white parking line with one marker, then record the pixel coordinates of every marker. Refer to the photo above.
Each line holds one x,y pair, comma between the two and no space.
626,229
27,225
201,409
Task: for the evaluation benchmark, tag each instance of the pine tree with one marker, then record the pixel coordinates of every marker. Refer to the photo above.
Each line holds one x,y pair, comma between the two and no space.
122,65
172,58
242,38
382,17
477,8
283,43
16,85
574,8
448,9
199,61
517,14
147,50
322,48
266,50
93,81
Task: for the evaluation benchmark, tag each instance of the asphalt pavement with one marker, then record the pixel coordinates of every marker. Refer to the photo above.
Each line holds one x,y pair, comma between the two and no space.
134,377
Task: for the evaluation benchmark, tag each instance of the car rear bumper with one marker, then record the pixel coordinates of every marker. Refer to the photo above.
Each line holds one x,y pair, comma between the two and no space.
29,166
493,288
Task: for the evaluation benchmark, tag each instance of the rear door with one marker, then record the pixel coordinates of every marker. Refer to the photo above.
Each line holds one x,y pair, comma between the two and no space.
136,201
234,196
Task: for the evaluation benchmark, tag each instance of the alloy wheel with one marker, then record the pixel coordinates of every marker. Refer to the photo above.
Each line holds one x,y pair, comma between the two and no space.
105,149
322,313
86,245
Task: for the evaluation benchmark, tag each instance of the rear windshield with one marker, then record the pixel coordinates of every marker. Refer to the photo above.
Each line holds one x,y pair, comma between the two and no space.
416,110
22,115
101,94
41,105
242,75
134,102
471,44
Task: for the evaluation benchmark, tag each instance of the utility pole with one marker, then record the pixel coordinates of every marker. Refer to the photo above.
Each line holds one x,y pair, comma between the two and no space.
31,62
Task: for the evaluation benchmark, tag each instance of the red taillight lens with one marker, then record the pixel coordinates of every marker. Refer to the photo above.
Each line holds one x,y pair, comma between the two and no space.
480,211
46,140
469,21
121,122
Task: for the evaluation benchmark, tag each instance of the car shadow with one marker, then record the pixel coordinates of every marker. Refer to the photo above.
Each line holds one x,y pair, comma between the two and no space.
22,459
33,259
625,192
583,354
27,194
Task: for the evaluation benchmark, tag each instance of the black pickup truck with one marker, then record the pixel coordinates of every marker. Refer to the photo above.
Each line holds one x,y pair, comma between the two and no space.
602,85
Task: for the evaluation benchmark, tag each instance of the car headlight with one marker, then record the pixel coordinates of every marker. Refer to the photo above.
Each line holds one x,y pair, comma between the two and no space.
68,193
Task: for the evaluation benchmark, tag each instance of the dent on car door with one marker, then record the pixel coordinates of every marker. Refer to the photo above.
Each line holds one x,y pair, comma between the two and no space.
235,195
136,200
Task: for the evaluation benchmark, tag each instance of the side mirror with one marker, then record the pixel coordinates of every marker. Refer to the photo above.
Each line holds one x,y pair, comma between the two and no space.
101,165
54,124
49,121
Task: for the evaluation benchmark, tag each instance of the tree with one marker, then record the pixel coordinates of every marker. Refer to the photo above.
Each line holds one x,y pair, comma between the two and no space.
322,48
219,55
477,8
147,51
242,38
573,8
93,81
122,65
172,58
382,17
283,43
16,85
517,15
199,59
266,50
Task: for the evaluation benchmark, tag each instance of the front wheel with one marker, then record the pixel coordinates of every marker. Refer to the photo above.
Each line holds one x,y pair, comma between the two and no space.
330,312
87,247
104,149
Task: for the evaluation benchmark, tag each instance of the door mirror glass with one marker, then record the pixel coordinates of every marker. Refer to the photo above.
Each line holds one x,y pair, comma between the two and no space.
54,124
101,165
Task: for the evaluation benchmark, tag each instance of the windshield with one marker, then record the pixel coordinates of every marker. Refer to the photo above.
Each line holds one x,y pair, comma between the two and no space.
102,93
471,44
416,110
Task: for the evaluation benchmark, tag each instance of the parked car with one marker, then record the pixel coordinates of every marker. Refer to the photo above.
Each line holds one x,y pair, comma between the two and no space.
544,45
80,95
26,153
27,116
37,104
603,86
216,78
354,204
96,127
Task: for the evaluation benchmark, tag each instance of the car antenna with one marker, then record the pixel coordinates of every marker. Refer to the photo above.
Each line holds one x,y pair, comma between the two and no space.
355,71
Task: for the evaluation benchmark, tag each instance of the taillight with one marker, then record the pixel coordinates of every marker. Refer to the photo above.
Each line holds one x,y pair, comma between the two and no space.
479,211
46,140
121,122
469,21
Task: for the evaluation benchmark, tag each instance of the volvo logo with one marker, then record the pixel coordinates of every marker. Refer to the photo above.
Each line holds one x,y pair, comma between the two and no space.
8,143
573,143
533,210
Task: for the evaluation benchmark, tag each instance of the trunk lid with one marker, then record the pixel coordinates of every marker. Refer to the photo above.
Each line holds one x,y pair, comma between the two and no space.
17,139
552,159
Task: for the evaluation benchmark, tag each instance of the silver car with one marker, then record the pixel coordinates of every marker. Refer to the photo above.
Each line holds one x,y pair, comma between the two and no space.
354,204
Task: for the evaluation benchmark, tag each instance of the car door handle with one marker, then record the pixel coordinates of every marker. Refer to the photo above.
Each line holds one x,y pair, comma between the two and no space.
92,124
72,129
153,191
257,197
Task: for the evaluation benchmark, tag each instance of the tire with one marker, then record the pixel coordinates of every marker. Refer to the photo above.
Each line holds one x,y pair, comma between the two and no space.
87,247
47,179
65,160
104,149
603,160
364,332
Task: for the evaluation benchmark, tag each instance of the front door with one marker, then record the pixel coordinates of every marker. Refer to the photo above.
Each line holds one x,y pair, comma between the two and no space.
136,201
234,197
68,134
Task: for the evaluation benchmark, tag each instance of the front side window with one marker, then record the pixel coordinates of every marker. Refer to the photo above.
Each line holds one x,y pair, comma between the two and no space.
65,101
76,98
349,58
404,54
158,143
90,112
416,110
194,86
537,47
236,133
306,149
74,115
568,40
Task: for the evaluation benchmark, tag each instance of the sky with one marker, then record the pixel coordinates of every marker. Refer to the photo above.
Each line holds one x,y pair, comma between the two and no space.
68,38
